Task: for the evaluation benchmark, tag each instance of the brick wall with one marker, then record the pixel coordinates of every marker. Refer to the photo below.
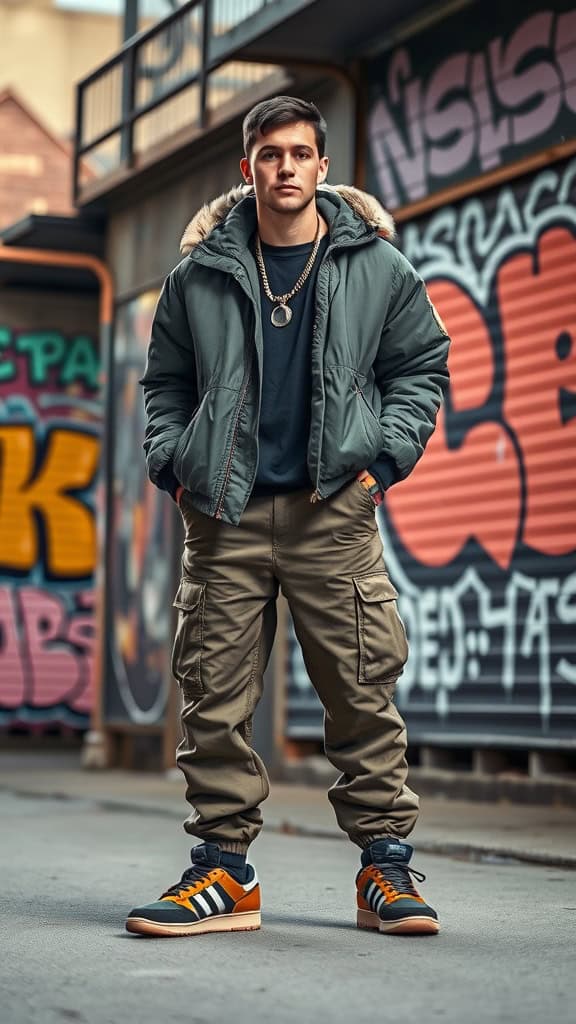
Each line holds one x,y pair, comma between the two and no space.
35,169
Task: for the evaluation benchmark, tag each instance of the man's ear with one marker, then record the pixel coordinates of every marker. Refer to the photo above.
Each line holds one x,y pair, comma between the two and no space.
323,170
246,172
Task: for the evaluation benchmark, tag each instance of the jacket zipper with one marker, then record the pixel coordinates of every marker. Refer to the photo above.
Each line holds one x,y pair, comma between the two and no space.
228,470
316,496
220,506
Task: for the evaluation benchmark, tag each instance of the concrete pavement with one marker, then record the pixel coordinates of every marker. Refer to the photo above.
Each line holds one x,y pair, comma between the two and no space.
456,828
72,869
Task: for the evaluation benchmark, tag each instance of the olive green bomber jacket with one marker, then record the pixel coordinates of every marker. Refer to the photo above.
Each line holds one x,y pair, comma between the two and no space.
378,362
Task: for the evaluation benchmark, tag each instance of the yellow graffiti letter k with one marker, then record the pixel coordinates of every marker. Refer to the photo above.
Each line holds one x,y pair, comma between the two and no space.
34,502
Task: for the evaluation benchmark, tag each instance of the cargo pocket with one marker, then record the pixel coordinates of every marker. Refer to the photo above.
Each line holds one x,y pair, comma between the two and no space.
189,639
382,643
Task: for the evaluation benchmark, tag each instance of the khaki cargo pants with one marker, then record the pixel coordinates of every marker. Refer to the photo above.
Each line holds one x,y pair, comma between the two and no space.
327,559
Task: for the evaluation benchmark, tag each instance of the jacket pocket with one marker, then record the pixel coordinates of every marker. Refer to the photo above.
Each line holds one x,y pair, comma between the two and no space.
352,437
370,421
184,439
204,449
189,638
382,643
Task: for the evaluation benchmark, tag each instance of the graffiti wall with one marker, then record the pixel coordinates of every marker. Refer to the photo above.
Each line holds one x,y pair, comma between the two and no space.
140,539
488,572
484,88
50,425
481,538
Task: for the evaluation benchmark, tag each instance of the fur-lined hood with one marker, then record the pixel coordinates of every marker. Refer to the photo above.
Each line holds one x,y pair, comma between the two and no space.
211,214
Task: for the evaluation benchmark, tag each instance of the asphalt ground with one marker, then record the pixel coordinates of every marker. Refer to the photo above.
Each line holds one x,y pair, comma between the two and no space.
71,869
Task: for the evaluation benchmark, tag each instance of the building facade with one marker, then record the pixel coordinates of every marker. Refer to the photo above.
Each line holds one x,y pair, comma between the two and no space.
467,133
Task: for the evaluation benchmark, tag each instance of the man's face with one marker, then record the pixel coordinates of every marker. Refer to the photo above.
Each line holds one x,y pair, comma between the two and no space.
284,166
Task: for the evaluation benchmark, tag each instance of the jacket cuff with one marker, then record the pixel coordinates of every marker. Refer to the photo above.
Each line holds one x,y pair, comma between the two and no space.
383,469
167,481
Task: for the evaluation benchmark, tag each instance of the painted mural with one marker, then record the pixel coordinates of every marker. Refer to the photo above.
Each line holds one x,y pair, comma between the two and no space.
140,537
50,427
486,87
488,571
481,538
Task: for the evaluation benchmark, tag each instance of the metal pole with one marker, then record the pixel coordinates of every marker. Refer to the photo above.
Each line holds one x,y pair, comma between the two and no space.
206,41
130,21
128,96
78,141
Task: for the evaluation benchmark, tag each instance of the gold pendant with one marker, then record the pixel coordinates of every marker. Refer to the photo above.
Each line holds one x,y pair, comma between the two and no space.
281,315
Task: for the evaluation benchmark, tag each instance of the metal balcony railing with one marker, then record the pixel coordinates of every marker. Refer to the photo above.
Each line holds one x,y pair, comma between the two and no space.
176,76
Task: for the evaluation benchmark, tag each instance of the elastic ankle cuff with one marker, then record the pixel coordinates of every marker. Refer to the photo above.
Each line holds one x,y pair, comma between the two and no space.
241,848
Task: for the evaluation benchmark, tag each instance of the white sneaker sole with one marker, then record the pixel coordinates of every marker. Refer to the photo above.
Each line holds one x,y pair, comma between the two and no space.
403,926
249,922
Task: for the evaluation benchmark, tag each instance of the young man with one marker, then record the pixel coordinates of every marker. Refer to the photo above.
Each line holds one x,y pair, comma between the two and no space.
295,371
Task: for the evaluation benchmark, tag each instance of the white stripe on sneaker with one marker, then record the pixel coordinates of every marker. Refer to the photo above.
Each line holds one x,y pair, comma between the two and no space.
217,898
378,903
199,899
370,893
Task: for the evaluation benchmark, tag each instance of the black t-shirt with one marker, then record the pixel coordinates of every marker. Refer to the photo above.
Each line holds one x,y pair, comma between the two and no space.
287,377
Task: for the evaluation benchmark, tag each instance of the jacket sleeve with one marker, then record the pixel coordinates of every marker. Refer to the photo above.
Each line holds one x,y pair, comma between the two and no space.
170,385
411,370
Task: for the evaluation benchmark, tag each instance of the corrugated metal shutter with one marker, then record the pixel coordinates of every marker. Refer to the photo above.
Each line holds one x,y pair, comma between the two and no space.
480,540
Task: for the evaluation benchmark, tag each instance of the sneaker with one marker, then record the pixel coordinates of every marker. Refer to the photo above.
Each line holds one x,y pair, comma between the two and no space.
208,898
386,896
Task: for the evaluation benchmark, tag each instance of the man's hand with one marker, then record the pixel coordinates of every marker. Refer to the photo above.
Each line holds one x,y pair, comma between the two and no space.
371,485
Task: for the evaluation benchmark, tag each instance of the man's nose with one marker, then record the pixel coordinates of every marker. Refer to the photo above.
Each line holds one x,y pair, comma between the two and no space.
286,168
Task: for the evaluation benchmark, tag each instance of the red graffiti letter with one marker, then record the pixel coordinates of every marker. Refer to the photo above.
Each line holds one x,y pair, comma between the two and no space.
54,668
472,491
11,675
81,634
537,299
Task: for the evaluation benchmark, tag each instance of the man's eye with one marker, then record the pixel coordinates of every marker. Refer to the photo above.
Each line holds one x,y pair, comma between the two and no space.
303,156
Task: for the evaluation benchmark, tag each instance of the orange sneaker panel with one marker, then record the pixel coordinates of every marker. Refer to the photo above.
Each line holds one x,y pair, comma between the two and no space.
249,902
233,888
184,901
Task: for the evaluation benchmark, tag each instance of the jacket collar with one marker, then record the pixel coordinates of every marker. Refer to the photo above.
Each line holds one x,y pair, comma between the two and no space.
225,226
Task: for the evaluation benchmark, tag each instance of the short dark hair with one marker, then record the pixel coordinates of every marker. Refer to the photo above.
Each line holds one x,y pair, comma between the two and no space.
282,110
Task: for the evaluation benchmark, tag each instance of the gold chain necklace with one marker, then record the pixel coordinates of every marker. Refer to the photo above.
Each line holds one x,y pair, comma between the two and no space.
282,314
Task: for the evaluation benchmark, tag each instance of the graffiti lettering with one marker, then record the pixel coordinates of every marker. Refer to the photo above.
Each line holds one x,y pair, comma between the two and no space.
536,435
7,368
49,449
539,346
45,351
69,464
47,657
502,277
474,107
455,631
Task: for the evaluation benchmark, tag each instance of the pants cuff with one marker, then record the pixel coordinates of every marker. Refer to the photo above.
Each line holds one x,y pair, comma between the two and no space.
364,841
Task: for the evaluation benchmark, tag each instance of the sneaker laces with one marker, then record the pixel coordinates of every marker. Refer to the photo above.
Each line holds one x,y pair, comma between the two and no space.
191,878
399,878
